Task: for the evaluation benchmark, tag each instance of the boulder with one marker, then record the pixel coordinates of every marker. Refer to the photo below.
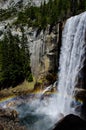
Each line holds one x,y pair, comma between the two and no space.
1,127
80,94
12,114
71,122
9,120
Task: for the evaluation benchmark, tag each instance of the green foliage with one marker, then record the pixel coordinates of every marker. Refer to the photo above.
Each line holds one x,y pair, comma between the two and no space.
50,13
14,60
7,13
30,78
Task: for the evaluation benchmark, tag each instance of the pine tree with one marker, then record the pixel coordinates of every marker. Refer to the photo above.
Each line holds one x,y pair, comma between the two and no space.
14,60
25,57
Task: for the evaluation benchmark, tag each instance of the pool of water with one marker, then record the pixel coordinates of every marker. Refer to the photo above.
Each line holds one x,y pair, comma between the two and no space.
37,122
35,113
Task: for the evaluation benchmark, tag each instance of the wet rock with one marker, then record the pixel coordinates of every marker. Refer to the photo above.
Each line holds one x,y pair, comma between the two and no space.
1,127
80,94
9,120
71,122
12,114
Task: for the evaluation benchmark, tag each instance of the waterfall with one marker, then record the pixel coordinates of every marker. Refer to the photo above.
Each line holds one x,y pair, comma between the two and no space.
72,57
71,62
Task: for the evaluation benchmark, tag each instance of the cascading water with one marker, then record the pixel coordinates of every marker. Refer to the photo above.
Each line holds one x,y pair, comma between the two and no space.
71,61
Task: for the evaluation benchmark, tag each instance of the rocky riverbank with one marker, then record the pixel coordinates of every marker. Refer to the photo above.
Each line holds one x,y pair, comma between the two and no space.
22,89
9,120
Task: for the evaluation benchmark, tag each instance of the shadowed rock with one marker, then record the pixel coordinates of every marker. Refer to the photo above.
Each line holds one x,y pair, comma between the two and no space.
71,122
1,127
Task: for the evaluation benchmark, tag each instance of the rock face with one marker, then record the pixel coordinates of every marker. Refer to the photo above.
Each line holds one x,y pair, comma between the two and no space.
5,4
71,122
9,120
44,50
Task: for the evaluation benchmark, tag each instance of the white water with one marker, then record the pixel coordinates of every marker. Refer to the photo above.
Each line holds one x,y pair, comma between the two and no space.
71,61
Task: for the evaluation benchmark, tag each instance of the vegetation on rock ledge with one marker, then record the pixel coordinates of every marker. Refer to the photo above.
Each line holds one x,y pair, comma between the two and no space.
50,13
